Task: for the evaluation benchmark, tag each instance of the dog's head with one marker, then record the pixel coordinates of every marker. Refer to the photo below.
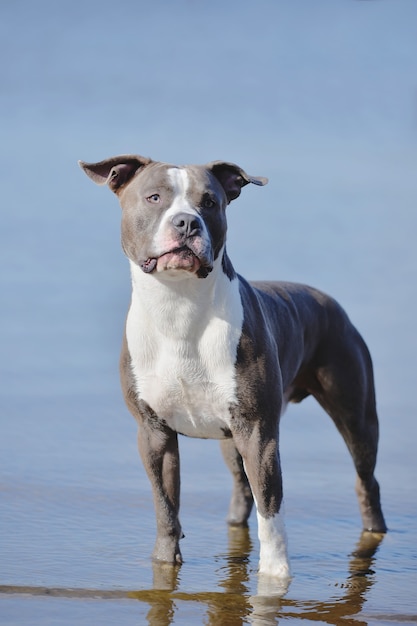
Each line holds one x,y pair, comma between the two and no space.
173,218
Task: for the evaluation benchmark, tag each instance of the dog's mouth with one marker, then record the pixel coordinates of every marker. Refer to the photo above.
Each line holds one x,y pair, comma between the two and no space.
182,258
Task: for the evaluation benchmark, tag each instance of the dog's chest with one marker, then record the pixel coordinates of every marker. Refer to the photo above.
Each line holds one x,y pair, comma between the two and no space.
184,369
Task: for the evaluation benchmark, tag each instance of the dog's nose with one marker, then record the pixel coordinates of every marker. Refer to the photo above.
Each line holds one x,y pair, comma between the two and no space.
186,224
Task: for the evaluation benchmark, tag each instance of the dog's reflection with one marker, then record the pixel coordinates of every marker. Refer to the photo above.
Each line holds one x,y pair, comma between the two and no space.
235,606
267,607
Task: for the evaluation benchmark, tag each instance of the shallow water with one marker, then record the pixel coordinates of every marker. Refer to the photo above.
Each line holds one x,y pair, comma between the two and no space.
317,96
78,552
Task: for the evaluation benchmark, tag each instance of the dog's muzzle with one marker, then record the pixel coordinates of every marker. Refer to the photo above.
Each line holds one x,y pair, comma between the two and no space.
183,258
194,251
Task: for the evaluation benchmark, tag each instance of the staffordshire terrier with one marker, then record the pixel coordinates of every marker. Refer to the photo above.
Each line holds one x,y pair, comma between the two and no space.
207,354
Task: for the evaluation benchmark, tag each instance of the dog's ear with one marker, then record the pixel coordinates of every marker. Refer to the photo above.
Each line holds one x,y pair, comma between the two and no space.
232,178
116,171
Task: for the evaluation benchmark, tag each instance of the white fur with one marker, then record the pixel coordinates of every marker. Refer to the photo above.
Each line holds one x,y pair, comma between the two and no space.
273,560
182,337
164,239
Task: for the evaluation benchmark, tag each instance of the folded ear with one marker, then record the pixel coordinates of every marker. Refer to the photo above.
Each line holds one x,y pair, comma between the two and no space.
116,171
233,178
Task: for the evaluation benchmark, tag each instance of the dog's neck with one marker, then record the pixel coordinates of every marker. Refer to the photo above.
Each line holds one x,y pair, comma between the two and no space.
183,307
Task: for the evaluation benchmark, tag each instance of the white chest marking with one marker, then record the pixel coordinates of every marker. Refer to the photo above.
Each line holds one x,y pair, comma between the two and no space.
182,338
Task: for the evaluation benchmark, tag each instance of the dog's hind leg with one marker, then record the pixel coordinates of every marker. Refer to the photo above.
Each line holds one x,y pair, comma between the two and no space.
242,500
346,391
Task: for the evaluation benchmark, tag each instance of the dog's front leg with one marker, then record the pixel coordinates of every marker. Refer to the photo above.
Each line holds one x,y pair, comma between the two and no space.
158,447
262,466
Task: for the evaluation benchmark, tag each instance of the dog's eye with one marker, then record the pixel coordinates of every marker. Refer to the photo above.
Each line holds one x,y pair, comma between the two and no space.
154,198
208,203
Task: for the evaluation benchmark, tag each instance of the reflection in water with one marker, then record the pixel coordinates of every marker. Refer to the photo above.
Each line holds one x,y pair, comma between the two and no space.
234,606
165,579
343,609
230,607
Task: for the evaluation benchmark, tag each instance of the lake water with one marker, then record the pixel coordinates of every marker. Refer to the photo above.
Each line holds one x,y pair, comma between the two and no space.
318,96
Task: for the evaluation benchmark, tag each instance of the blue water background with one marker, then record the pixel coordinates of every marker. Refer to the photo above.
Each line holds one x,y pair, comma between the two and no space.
318,95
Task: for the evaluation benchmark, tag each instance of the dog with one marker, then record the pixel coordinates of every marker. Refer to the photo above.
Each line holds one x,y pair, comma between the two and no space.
207,354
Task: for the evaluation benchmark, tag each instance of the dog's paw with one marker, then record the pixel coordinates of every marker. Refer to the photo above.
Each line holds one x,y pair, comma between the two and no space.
167,551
